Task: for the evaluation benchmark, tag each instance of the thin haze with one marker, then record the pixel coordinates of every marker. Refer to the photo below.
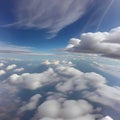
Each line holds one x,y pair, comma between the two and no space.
105,13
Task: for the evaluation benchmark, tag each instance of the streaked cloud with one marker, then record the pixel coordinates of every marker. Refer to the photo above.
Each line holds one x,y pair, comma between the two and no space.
9,48
53,15
6,48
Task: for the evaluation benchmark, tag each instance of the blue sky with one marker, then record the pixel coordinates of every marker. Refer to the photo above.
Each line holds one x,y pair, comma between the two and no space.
45,25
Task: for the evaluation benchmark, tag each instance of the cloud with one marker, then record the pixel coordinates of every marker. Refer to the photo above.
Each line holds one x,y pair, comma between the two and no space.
69,109
50,14
31,105
9,102
107,96
107,68
19,70
72,96
10,67
104,43
1,65
47,62
69,80
2,72
8,48
107,118
33,81
57,62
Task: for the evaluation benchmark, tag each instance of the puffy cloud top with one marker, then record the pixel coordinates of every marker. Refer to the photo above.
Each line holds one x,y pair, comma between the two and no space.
69,109
104,43
107,118
19,70
2,72
60,103
10,67
1,64
33,81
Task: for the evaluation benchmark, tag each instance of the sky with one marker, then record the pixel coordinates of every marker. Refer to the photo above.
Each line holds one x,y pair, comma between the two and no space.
55,59
48,25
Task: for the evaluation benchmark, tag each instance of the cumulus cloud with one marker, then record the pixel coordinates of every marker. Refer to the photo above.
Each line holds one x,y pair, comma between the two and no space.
9,102
33,81
10,67
2,72
57,62
104,43
50,14
47,62
69,79
31,105
69,109
1,65
107,118
19,70
71,95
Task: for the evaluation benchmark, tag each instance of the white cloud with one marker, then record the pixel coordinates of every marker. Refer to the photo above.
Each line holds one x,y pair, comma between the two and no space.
31,105
104,43
10,67
47,62
107,96
73,42
33,81
57,62
22,50
67,81
1,65
67,110
50,14
9,102
107,118
19,70
112,69
2,72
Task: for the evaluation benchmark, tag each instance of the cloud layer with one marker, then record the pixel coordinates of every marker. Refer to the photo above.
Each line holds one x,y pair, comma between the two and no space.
60,92
104,43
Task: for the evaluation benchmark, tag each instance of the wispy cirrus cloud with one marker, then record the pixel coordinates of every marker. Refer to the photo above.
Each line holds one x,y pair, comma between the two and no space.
6,48
9,48
53,15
